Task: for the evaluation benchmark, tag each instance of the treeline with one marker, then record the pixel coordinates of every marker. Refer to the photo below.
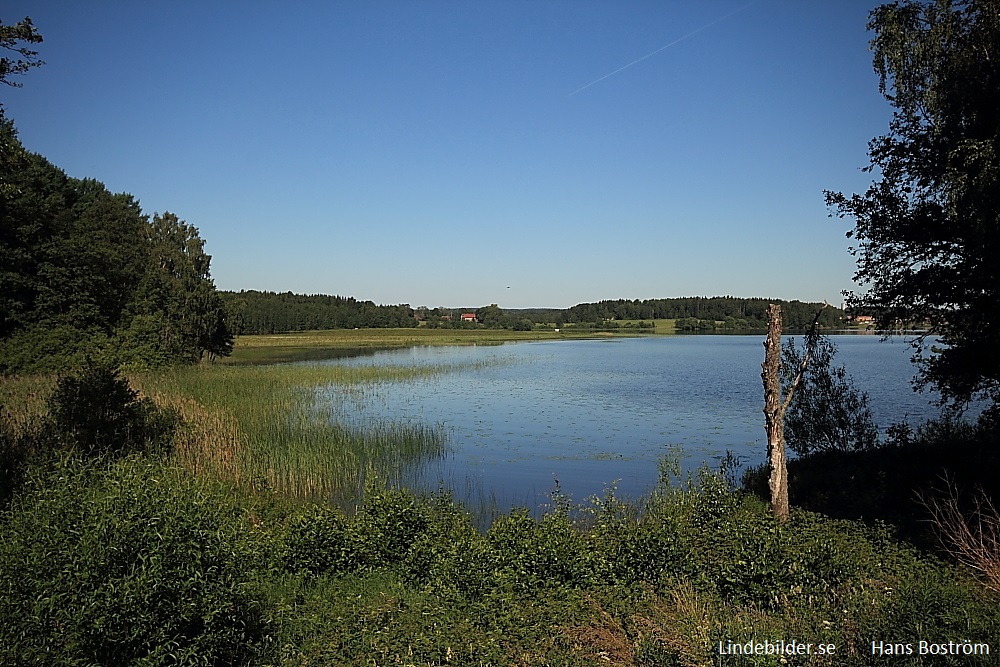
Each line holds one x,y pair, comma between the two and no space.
84,273
256,312
253,312
701,312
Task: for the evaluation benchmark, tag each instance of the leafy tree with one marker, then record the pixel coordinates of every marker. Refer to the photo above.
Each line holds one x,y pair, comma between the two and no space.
83,272
177,314
492,317
13,38
71,254
827,412
928,230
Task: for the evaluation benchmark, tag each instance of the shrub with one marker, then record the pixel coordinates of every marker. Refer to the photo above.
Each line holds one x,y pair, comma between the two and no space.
639,551
134,565
388,524
544,553
321,541
450,557
96,413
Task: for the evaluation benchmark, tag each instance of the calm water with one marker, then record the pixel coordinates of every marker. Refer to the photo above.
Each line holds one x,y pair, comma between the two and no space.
592,413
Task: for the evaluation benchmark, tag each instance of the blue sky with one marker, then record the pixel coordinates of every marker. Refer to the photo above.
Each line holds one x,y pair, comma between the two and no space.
443,153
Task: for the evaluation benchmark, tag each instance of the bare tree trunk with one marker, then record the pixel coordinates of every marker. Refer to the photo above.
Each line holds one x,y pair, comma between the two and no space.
774,412
775,406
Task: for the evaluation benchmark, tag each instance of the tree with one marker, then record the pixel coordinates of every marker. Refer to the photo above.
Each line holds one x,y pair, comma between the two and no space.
491,316
12,156
828,412
10,38
777,398
177,313
928,229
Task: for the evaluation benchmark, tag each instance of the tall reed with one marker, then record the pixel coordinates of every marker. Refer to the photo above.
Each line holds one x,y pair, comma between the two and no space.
265,426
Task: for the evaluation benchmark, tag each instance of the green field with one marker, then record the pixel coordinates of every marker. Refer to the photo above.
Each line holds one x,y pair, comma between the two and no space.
340,342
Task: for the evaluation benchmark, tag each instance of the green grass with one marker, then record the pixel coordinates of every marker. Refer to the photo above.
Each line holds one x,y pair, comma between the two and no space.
270,431
139,564
659,326
344,342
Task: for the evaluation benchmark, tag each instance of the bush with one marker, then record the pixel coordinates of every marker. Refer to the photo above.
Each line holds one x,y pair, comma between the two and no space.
320,541
135,565
96,413
529,554
388,524
450,558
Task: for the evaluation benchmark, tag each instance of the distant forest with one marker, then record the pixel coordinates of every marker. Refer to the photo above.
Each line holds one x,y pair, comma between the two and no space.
254,312
726,312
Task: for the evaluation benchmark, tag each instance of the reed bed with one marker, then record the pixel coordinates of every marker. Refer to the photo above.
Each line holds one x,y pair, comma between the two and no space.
314,345
267,426
23,399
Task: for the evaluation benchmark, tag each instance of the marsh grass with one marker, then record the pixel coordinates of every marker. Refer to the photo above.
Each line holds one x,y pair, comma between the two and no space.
270,427
23,399
316,345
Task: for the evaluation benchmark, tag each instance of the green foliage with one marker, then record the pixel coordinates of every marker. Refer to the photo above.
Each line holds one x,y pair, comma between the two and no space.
11,37
254,312
926,230
450,557
96,413
388,523
139,565
492,317
639,550
140,562
84,273
827,411
697,313
321,541
532,554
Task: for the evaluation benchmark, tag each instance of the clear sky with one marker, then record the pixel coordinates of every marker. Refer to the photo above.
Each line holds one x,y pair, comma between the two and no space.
462,153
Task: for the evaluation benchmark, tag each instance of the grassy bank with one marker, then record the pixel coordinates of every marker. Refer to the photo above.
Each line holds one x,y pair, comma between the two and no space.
345,342
137,563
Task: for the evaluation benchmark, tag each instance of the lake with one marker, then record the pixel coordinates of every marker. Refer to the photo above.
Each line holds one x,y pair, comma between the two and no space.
592,413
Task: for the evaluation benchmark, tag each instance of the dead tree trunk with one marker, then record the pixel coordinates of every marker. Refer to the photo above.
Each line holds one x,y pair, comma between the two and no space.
775,406
774,412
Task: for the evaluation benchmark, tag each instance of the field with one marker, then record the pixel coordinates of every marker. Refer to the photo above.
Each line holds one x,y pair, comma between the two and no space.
326,344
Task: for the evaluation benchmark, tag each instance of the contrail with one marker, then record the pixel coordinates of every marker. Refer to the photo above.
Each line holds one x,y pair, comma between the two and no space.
665,46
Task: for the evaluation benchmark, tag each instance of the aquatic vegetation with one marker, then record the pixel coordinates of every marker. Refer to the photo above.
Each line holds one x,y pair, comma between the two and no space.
265,426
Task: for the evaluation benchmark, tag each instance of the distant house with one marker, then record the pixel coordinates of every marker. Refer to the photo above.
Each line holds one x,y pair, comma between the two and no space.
469,317
863,319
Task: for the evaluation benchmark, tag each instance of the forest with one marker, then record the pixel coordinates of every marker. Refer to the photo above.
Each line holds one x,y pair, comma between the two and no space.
256,312
84,273
737,312
263,312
